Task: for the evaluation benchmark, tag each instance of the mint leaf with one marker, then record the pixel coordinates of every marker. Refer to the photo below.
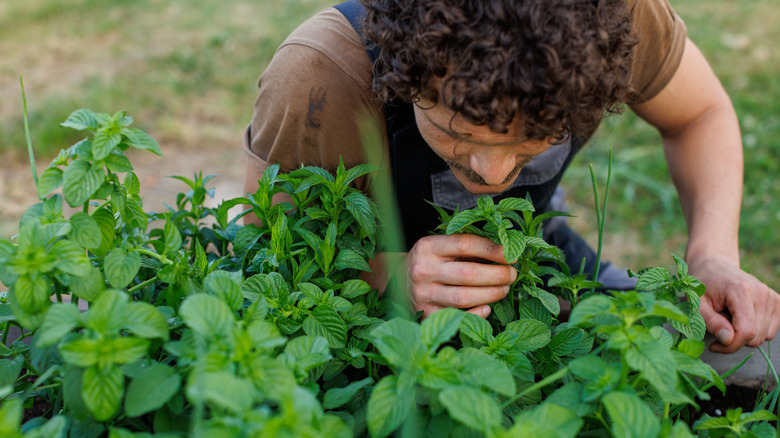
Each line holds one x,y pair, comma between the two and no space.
151,389
80,181
631,417
326,322
121,267
472,407
102,390
440,327
388,407
80,120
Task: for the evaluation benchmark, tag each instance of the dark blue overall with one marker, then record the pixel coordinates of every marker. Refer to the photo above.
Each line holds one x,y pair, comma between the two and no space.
419,176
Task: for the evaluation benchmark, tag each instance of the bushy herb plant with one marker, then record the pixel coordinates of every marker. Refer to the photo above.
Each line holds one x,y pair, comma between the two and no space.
186,323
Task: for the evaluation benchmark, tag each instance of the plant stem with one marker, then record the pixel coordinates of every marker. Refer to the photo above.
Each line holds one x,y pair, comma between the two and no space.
154,255
27,136
142,285
102,204
540,384
6,327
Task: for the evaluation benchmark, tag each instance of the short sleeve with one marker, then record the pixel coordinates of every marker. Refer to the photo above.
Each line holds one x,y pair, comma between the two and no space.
311,100
661,35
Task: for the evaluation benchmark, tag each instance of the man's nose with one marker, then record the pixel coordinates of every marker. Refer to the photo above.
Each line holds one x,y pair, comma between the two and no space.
493,166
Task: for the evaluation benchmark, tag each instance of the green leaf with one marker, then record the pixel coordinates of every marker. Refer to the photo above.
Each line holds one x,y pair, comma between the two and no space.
514,245
354,288
207,315
631,417
515,204
102,390
360,208
653,279
388,407
440,327
547,420
691,347
696,329
151,389
10,418
652,360
71,392
472,407
84,230
172,238
349,259
588,308
132,184
106,222
80,120
337,397
532,334
121,267
49,181
107,314
547,299
80,181
479,369
477,329
10,370
90,286
226,287
105,140
222,389
145,320
135,212
117,162
71,258
60,320
326,322
31,292
462,220
141,140
122,350
398,340
565,341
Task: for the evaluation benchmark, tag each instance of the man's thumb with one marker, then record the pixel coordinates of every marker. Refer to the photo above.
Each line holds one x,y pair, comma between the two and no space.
717,325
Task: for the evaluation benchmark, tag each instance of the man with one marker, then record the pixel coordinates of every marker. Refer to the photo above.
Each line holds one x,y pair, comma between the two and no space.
495,97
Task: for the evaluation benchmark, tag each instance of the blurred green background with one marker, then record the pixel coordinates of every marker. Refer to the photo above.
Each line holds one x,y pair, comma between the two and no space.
187,72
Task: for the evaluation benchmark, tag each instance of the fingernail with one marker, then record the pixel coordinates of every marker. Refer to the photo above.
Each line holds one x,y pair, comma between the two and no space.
514,274
485,311
506,290
723,336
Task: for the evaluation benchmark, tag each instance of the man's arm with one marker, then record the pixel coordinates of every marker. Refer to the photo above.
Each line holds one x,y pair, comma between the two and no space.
703,148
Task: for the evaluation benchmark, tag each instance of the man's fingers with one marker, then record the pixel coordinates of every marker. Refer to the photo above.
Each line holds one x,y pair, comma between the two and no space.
457,273
718,325
481,311
463,246
466,297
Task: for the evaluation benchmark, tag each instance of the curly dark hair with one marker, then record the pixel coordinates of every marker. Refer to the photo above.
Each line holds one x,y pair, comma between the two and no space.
559,64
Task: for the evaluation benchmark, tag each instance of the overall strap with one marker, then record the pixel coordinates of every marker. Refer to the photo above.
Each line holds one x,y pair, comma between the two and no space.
355,13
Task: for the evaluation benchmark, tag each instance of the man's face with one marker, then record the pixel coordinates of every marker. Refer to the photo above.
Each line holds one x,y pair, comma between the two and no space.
483,161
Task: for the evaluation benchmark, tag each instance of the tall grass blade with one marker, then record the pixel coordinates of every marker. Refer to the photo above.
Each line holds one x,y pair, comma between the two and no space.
27,135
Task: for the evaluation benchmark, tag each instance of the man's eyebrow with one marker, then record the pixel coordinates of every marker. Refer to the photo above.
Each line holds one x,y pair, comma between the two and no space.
466,135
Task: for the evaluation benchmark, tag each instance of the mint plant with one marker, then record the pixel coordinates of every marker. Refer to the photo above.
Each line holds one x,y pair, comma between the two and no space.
187,323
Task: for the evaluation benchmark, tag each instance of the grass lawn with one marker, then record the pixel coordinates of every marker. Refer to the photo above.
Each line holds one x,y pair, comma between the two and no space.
187,70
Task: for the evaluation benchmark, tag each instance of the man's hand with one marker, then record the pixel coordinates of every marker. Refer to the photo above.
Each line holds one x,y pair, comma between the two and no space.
738,309
457,271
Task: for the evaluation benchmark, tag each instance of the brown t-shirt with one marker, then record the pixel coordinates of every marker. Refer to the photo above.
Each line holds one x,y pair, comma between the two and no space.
318,85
